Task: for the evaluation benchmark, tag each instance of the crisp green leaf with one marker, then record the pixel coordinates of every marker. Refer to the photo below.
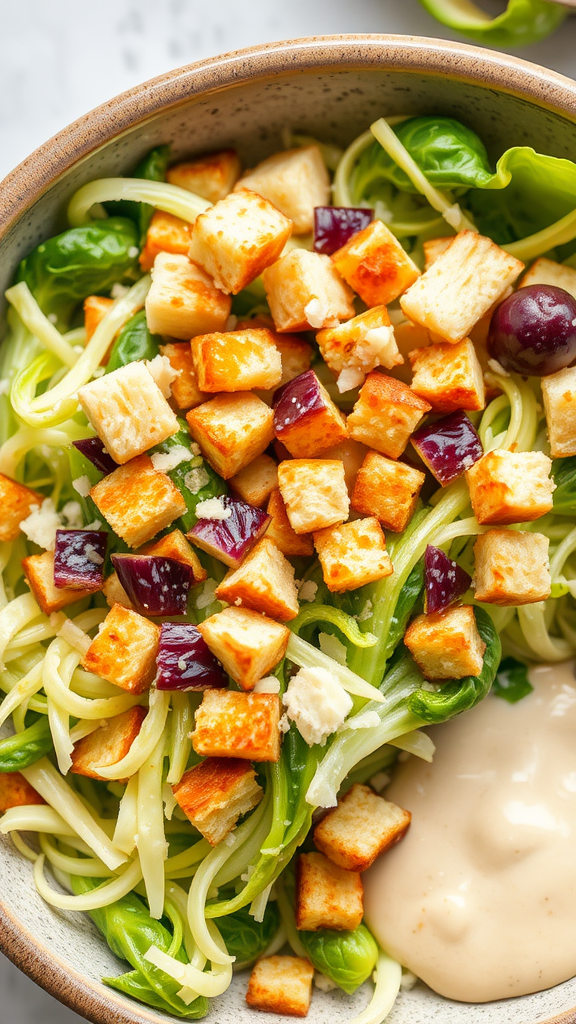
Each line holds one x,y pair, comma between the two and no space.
27,747
564,474
135,341
512,681
247,939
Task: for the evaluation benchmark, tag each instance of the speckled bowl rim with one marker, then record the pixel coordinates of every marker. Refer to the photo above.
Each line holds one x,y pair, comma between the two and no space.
24,186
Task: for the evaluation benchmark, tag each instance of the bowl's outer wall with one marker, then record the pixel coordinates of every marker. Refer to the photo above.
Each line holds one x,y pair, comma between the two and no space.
331,88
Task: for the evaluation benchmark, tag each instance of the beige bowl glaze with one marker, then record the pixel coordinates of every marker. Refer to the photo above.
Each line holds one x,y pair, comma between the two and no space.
333,88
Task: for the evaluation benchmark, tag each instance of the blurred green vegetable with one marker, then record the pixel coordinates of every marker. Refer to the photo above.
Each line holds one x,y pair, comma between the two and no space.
512,683
247,939
348,958
564,498
134,342
27,747
523,21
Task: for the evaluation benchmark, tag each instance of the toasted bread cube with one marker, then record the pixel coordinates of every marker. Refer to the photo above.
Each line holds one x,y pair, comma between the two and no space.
124,651
285,538
386,414
185,391
128,411
305,291
95,309
249,645
408,337
559,394
434,248
375,265
166,233
460,286
295,355
295,181
232,430
449,377
237,360
352,554
388,490
351,454
264,582
138,501
281,984
307,421
314,492
16,502
39,571
174,545
512,568
545,271
446,645
109,744
237,238
215,793
360,828
510,487
358,346
327,896
183,300
255,483
114,592
16,791
234,724
212,176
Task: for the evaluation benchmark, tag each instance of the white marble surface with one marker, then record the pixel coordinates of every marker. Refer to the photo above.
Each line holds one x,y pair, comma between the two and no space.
62,57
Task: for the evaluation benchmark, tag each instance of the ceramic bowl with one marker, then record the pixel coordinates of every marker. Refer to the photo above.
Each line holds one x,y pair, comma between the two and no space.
333,88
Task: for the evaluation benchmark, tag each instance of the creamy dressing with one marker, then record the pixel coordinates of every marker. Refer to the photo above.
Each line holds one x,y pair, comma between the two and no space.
479,899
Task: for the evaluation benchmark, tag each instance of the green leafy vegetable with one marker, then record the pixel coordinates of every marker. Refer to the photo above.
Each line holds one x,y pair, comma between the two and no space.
247,939
348,958
512,681
194,486
27,747
523,21
152,167
564,474
134,342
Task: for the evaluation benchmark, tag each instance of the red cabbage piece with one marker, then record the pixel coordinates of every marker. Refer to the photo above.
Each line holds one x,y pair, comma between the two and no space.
296,400
448,447
185,661
334,225
444,580
230,539
93,450
79,557
156,585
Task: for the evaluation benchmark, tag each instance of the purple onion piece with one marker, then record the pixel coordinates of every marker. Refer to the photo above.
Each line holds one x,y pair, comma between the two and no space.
448,447
230,539
93,450
444,580
79,559
156,585
185,661
335,225
296,400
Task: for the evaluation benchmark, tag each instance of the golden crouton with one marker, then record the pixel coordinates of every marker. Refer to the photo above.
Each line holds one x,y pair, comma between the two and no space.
95,309
449,377
354,348
460,286
232,430
185,391
138,501
124,651
352,554
16,502
314,492
360,828
237,238
212,176
166,233
248,644
511,568
295,353
408,337
39,571
327,896
559,394
128,411
306,420
15,791
446,645
386,414
114,592
215,793
109,744
174,545
295,181
281,984
229,723
545,271
388,490
375,265
351,454
434,248
305,291
510,487
264,582
255,483
285,538
183,300
236,361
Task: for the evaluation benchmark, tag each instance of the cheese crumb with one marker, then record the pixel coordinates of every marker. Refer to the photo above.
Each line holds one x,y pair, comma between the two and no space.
213,508
308,591
41,525
270,684
165,461
350,377
316,313
82,486
162,371
71,516
196,479
317,704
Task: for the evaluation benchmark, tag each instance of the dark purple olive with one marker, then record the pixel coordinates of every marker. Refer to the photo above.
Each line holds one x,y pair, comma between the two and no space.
444,580
79,559
230,539
533,331
334,225
93,450
448,447
156,585
185,661
296,400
